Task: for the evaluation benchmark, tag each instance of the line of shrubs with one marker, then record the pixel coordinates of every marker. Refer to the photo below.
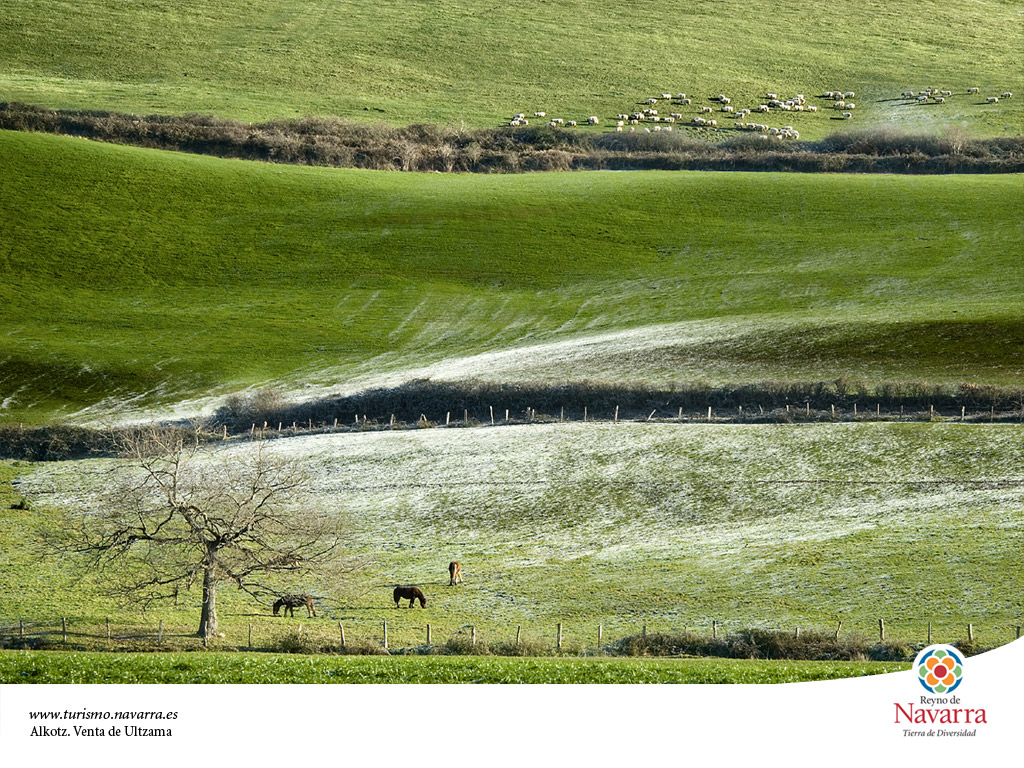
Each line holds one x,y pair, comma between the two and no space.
772,401
331,141
762,644
762,399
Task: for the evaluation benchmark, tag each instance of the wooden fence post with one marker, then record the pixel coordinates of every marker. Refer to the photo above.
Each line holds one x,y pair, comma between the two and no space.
600,636
709,413
584,413
385,633
616,413
561,415
160,633
447,418
21,627
1018,631
680,417
559,641
492,414
506,415
929,633
428,634
643,631
108,630
970,632
838,628
250,634
881,629
519,634
797,632
341,631
64,629
465,416
472,631
714,629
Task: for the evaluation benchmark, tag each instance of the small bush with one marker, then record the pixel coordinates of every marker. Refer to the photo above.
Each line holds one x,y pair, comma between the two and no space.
462,645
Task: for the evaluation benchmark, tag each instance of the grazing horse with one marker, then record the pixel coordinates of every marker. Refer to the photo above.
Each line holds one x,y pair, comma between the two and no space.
455,572
291,602
412,594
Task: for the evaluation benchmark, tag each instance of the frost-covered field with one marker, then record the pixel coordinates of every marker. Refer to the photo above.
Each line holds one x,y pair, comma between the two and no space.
669,525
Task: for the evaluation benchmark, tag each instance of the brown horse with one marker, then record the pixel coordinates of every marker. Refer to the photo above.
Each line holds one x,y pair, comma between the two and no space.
291,602
412,594
455,572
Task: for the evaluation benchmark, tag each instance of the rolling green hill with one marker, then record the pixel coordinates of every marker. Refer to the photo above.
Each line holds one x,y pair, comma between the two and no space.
478,63
141,278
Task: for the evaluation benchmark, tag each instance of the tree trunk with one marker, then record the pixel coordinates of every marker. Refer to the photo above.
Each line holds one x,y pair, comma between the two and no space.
208,618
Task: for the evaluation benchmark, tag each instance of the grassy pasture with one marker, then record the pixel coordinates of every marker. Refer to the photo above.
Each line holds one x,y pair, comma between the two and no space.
140,279
60,667
625,525
456,61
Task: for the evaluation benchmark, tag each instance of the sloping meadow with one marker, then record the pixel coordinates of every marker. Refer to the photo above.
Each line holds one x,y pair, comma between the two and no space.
668,526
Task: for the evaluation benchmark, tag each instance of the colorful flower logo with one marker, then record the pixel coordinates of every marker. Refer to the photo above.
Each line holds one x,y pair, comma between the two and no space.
939,669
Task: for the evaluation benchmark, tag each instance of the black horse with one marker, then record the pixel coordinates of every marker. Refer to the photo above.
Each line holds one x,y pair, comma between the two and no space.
412,594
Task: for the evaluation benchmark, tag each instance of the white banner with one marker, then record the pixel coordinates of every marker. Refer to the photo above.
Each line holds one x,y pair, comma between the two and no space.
841,722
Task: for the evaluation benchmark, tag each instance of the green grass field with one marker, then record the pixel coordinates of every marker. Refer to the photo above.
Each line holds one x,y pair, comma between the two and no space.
57,667
456,62
142,279
623,525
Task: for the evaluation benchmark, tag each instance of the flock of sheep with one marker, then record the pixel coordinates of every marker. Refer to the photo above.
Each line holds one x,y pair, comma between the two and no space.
648,118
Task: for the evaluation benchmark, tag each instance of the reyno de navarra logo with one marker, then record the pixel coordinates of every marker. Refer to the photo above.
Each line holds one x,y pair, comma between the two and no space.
939,669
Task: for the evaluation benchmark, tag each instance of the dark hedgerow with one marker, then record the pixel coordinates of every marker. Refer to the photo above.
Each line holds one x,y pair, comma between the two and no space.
332,141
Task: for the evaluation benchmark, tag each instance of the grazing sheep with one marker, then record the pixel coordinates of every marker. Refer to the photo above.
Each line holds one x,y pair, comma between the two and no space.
651,101
839,105
593,120
540,114
680,96
851,105
705,109
763,108
771,95
847,115
1007,95
713,123
947,93
992,99
811,108
666,96
571,123
908,94
974,89
727,108
849,95
618,129
923,97
938,100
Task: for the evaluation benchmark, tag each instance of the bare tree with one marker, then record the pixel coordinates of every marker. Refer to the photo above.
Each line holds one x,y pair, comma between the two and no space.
177,513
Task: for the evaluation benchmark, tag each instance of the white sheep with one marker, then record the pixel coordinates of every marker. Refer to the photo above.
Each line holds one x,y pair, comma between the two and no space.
666,95
618,129
763,108
680,96
849,95
713,123
540,114
839,105
771,95
1007,95
726,108
686,101
705,109
992,99
651,101
909,94
593,120
974,89
851,105
938,100
947,93
847,115
570,123
812,108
